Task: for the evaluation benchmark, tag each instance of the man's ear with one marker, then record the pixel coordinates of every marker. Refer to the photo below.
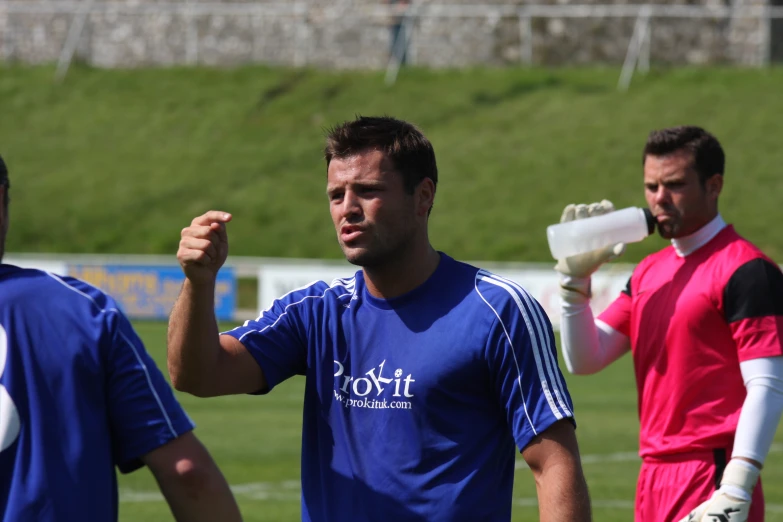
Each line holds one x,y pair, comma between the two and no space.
714,185
426,196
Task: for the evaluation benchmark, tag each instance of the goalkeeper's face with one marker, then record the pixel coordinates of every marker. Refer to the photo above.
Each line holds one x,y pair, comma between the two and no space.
680,202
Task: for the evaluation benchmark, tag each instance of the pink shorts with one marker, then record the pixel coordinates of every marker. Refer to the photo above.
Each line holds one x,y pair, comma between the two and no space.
670,487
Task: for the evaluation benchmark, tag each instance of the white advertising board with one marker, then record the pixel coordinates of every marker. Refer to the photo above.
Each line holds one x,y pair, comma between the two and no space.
275,281
55,267
544,286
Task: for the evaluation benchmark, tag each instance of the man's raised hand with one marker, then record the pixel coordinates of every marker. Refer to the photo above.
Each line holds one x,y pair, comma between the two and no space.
203,247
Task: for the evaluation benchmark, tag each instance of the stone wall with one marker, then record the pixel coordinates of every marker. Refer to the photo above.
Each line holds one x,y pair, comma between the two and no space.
351,34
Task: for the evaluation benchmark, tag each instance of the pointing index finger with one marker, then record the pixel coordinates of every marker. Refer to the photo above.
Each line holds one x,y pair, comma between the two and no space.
213,216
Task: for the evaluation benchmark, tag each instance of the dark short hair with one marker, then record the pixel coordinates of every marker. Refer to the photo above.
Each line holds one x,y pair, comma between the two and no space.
4,181
409,151
705,150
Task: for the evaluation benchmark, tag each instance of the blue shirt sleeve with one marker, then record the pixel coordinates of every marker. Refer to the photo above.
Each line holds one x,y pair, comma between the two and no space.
524,367
143,412
277,339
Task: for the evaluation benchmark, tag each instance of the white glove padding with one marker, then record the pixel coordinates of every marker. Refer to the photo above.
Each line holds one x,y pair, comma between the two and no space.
731,503
583,265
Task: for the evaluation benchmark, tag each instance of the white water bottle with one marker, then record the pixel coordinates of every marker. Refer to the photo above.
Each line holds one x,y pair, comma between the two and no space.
628,225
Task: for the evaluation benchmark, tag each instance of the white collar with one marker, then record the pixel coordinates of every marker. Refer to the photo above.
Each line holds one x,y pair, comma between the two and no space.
687,245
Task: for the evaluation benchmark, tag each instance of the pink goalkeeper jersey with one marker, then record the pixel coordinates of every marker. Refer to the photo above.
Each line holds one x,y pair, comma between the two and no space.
691,321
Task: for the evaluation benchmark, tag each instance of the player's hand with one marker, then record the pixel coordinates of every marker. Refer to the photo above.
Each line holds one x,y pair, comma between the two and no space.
731,503
583,265
204,247
720,508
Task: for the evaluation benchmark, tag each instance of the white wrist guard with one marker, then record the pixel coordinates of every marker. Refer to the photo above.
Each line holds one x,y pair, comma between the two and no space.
740,474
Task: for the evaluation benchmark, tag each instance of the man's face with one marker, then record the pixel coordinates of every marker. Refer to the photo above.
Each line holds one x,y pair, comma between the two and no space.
374,217
676,197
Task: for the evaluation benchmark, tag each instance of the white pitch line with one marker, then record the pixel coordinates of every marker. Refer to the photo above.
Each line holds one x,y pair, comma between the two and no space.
263,491
616,504
626,504
623,456
288,490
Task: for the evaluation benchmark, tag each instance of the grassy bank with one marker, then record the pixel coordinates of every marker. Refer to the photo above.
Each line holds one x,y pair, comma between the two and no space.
120,161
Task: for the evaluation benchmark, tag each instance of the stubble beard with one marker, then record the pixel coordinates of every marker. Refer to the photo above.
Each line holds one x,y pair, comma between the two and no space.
370,256
671,228
668,231
674,229
380,251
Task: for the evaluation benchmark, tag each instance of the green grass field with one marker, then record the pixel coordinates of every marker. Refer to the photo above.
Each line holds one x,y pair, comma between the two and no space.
256,441
119,161
116,161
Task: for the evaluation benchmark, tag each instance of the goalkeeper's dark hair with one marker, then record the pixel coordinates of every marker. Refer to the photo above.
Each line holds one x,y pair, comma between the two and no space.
706,153
4,182
409,151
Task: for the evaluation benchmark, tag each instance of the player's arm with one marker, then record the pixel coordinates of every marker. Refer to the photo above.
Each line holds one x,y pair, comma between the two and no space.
534,395
191,482
148,426
753,306
759,419
200,360
762,409
588,345
553,457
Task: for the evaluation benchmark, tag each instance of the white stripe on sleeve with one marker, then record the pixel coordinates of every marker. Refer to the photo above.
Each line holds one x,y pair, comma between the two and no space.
541,353
553,370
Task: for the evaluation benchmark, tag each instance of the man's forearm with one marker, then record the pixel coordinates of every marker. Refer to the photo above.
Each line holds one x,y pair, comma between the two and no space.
207,498
562,494
553,457
761,410
587,346
191,482
193,338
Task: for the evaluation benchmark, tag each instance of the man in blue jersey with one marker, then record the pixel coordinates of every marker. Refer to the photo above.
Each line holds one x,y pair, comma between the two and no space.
79,395
422,373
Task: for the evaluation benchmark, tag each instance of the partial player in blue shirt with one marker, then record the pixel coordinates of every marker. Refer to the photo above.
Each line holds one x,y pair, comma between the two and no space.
422,373
79,396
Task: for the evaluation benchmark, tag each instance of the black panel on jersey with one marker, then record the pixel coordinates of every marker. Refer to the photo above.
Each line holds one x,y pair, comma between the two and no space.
627,289
719,455
754,290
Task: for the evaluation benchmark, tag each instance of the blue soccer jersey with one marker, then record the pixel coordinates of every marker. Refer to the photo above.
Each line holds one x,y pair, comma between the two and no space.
413,405
78,395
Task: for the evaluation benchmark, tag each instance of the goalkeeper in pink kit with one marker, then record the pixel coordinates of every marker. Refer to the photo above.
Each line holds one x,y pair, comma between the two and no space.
703,320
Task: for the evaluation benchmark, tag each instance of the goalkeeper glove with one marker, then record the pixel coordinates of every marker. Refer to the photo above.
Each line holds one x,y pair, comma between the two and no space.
576,270
731,502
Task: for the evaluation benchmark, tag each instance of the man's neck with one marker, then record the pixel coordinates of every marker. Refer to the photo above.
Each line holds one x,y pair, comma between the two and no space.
402,275
687,245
